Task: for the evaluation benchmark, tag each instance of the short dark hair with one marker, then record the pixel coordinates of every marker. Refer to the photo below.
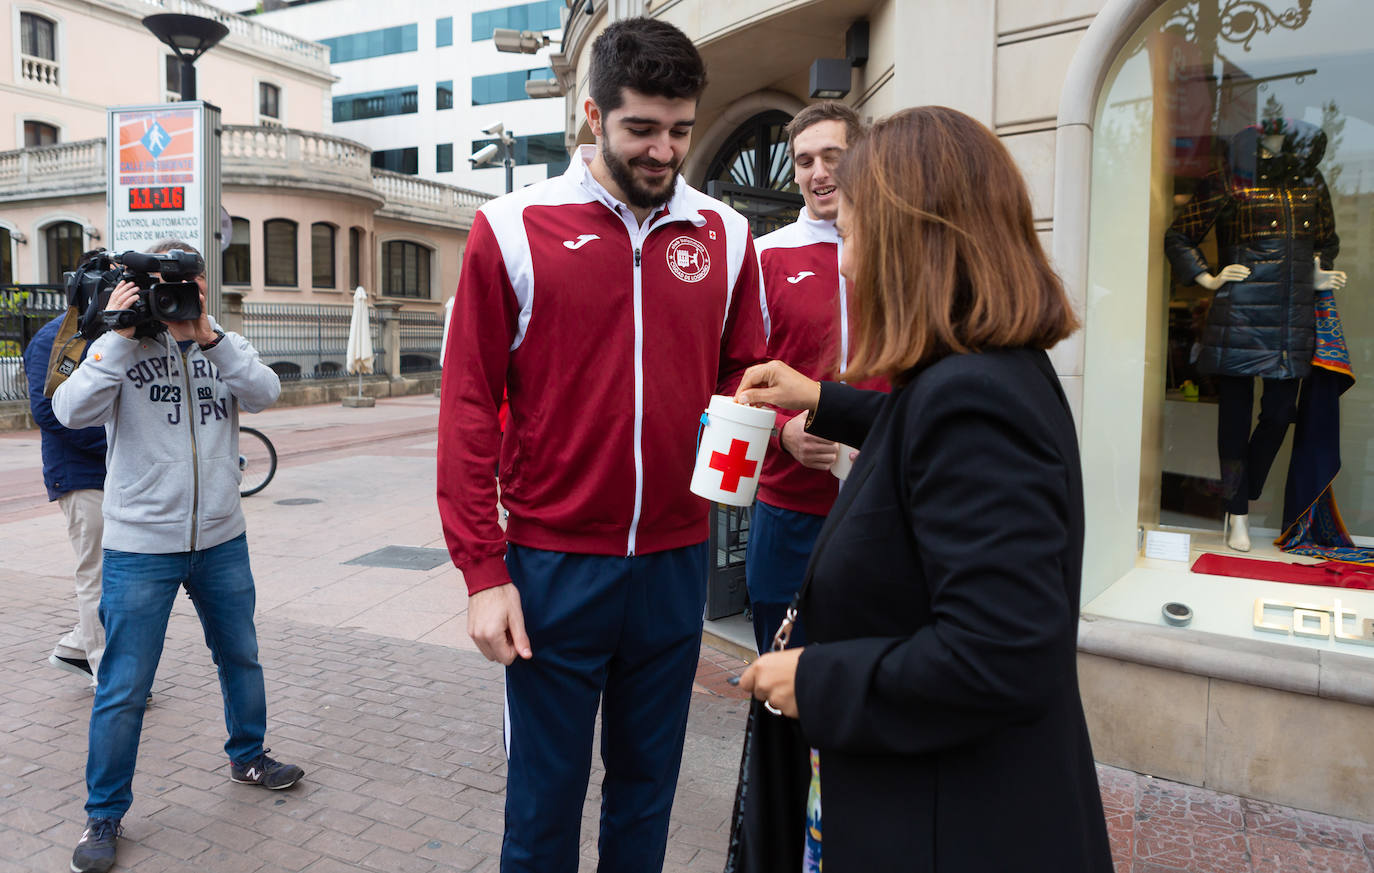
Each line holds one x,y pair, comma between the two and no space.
828,110
648,56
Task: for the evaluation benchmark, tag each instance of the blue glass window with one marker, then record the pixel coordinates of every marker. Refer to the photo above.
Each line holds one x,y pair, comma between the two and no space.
377,104
505,87
373,43
443,32
443,157
398,160
539,148
543,15
443,95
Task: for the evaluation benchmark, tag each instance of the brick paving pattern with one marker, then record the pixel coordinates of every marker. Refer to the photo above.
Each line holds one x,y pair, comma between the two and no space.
373,688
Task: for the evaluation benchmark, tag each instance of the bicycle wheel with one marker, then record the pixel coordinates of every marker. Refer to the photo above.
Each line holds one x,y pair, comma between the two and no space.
257,461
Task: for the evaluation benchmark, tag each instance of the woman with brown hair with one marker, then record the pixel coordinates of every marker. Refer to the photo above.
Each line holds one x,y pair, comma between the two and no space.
939,685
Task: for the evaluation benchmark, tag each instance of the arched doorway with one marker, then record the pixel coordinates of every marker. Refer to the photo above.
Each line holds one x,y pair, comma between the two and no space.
752,172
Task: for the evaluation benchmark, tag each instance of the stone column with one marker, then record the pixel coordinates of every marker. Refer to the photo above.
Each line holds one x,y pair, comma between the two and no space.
391,336
231,310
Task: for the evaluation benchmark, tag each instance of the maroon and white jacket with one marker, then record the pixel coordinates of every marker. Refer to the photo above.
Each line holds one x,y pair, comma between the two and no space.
808,328
611,338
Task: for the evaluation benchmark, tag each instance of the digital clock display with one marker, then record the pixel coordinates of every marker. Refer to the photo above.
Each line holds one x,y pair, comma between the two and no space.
166,199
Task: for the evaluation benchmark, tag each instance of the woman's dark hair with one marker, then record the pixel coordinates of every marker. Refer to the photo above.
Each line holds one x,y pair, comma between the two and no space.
645,55
948,258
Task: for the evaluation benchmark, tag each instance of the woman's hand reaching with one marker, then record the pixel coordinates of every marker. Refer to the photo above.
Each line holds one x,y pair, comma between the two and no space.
779,385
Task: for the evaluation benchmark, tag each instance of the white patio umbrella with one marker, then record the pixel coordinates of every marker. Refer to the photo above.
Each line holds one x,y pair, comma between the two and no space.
359,353
443,343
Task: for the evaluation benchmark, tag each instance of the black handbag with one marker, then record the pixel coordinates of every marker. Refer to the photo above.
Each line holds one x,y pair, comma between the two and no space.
768,825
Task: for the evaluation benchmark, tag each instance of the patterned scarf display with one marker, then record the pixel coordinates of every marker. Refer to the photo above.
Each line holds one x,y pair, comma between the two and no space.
1312,523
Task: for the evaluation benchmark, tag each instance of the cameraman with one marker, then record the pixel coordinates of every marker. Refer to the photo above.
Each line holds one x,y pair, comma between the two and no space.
169,402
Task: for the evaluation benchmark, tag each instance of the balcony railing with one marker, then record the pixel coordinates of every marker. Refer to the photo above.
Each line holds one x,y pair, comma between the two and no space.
252,155
240,27
38,71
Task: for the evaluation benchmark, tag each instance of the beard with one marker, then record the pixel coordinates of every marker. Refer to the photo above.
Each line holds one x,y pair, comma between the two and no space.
639,195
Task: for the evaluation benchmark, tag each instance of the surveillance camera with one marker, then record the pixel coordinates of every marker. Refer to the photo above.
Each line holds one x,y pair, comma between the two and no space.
494,130
484,155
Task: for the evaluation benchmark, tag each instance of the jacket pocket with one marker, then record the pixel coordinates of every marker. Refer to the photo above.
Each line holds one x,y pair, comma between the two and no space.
156,496
219,488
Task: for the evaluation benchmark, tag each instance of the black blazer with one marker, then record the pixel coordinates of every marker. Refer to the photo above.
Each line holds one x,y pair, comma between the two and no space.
940,685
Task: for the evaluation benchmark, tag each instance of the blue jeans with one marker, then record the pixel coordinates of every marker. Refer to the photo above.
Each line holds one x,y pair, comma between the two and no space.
134,607
624,633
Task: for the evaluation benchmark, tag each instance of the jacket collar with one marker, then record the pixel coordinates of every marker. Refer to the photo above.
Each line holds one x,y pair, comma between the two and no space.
815,229
679,208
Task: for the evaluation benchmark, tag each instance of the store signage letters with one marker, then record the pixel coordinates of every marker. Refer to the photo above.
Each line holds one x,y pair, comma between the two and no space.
1313,621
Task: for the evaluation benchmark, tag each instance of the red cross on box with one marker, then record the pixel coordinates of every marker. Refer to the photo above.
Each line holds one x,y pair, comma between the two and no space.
734,466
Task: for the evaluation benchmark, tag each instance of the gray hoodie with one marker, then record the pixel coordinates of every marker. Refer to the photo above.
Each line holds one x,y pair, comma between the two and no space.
172,423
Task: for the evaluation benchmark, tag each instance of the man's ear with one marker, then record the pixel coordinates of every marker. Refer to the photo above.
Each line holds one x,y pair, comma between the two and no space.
594,119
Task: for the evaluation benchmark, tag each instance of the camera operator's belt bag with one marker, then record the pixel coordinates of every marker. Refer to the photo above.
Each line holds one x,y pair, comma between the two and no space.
68,347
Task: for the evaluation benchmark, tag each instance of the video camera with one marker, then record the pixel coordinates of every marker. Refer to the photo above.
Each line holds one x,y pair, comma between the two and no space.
175,297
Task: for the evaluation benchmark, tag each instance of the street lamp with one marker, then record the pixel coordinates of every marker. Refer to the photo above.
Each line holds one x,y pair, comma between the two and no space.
189,36
504,147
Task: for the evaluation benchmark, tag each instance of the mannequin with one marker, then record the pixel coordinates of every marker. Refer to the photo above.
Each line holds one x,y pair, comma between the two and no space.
1276,235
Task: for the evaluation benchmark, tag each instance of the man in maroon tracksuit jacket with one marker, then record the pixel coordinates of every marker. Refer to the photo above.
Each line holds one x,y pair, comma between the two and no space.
808,328
610,303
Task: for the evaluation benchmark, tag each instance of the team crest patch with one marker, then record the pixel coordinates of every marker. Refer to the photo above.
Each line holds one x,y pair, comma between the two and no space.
688,259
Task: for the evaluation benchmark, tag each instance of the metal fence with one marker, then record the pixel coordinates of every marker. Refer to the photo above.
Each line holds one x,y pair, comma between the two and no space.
23,310
306,341
422,334
310,341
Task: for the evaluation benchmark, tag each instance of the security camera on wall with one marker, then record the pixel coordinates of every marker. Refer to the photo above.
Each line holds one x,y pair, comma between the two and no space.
486,154
495,130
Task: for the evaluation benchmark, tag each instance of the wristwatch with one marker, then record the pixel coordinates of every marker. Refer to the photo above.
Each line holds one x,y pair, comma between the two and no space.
219,335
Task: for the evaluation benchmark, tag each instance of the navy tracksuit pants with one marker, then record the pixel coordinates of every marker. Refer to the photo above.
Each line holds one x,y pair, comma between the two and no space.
775,559
624,633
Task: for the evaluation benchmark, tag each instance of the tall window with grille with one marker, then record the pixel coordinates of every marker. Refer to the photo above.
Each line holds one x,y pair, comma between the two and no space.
63,244
279,252
405,270
6,260
238,256
322,255
38,49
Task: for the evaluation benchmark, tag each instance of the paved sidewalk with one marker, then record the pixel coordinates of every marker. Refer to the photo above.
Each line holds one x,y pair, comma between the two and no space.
374,689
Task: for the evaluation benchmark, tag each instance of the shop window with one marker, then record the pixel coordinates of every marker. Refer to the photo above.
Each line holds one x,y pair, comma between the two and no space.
1227,329
405,270
36,133
238,256
279,252
322,255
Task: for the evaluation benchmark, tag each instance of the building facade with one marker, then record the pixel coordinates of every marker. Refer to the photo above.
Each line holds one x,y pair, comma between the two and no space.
1130,120
310,217
420,82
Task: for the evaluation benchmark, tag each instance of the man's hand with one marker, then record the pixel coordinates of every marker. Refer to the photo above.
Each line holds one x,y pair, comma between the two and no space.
496,624
122,297
810,450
